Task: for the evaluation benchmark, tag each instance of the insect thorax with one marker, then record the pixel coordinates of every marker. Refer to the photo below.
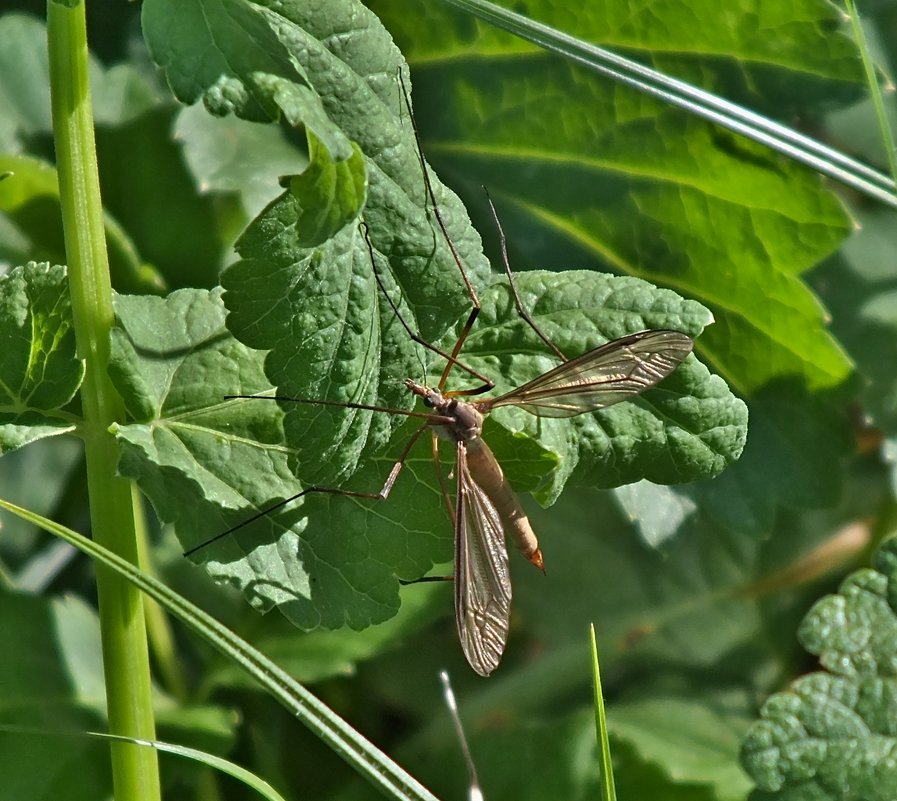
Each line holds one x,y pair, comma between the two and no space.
468,423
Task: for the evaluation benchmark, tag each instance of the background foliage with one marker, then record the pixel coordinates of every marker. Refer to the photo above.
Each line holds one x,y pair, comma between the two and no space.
697,589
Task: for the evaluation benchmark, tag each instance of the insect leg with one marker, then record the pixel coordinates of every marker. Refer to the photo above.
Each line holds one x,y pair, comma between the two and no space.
521,309
440,477
451,359
382,495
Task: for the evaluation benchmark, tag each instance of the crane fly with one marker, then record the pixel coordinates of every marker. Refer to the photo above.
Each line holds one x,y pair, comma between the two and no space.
486,507
486,510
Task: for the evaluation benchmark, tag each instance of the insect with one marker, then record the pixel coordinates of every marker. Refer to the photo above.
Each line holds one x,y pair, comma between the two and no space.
486,509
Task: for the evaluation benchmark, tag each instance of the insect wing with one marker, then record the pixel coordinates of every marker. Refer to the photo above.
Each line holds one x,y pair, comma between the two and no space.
482,577
613,372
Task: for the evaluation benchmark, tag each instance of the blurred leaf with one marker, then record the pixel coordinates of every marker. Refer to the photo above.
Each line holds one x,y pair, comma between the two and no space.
657,511
318,655
860,286
137,158
39,371
178,226
694,739
553,758
637,777
650,606
29,202
51,676
25,80
359,752
832,735
653,607
794,458
35,477
118,94
234,156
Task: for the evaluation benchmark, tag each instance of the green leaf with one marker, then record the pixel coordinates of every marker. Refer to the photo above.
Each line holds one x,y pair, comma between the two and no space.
689,427
195,455
238,58
51,676
693,738
831,735
208,464
804,41
29,200
329,194
245,58
39,370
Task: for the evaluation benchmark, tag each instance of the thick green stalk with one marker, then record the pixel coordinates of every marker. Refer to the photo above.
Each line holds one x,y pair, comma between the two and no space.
125,657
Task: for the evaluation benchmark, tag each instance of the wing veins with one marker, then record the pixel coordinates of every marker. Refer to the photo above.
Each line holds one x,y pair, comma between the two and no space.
482,577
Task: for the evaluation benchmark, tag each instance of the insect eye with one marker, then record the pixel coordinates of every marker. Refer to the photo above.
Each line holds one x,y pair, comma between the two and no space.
428,402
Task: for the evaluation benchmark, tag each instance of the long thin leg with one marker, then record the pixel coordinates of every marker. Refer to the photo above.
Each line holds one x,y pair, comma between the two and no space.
451,359
432,195
440,477
382,495
521,309
432,419
474,299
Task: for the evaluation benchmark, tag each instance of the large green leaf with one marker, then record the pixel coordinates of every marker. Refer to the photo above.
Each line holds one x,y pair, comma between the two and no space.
209,463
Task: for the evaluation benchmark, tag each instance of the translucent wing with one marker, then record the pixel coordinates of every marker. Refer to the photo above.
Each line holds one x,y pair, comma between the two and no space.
482,578
608,374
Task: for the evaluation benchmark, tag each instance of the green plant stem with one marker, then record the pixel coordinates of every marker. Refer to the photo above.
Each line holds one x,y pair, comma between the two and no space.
881,114
125,655
161,638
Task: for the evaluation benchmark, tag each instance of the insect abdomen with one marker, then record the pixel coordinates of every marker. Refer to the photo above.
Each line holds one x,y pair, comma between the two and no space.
486,471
